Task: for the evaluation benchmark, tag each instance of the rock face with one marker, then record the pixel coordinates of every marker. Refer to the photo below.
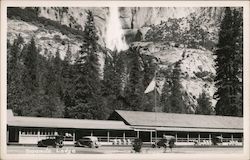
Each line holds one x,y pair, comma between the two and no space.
137,17
197,68
132,17
197,65
75,17
50,40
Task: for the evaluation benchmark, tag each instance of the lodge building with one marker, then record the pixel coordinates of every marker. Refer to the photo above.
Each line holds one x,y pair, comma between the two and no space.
123,126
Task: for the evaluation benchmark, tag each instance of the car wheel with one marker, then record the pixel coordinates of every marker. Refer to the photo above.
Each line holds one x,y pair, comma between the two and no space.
91,145
153,145
39,144
60,144
77,144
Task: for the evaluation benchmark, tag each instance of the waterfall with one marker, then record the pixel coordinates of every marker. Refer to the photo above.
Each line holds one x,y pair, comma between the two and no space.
115,38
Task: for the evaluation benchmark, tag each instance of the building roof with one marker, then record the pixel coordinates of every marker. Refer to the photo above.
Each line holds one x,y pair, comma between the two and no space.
22,121
180,122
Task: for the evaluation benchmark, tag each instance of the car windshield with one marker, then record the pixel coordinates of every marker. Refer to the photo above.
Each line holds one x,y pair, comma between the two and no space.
86,139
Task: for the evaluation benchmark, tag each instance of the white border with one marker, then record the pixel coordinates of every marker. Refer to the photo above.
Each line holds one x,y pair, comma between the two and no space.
3,87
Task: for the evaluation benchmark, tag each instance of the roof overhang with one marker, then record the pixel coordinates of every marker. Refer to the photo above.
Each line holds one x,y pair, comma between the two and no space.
182,129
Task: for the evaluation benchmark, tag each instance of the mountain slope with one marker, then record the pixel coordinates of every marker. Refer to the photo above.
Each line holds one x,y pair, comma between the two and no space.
170,25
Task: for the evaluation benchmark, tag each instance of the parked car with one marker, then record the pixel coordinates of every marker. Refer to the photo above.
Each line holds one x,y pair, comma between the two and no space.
88,141
166,141
54,141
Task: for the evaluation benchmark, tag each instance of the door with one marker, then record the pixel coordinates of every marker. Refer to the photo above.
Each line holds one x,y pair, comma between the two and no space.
13,134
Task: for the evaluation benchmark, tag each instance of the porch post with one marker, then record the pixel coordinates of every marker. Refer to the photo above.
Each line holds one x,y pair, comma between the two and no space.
74,135
19,134
124,135
138,134
199,137
108,135
187,137
151,137
155,135
175,137
209,137
91,134
232,137
38,134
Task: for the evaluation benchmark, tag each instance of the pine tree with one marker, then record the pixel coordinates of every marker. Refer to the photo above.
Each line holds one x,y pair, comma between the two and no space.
15,86
57,67
204,105
166,91
229,65
30,63
134,90
113,90
172,100
87,82
68,73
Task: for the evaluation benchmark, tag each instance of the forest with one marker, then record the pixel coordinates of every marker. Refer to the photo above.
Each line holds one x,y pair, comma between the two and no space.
53,87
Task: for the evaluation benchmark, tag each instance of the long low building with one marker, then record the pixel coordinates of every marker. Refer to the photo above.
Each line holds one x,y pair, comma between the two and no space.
123,126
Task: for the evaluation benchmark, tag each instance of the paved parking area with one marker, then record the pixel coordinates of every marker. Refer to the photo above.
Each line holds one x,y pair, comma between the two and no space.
118,149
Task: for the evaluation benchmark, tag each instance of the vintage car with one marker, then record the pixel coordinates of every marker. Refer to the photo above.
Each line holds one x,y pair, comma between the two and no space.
54,141
166,141
88,141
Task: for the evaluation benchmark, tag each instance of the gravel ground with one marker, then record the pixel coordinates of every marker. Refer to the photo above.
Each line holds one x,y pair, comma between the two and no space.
118,149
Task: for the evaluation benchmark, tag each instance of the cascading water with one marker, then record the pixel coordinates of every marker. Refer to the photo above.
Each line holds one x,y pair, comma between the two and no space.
115,39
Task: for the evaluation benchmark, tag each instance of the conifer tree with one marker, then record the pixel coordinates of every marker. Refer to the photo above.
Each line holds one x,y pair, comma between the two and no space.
229,65
204,105
30,63
68,73
87,82
57,67
15,86
172,100
112,82
135,90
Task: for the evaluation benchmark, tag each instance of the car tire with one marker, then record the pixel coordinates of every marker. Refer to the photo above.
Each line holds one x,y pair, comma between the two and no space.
77,144
60,144
91,145
153,146
39,144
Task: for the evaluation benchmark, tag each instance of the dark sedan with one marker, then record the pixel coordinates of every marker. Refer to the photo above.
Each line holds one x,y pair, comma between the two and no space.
54,141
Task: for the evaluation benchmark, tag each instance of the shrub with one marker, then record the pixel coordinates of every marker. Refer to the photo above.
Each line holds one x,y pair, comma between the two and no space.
137,145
